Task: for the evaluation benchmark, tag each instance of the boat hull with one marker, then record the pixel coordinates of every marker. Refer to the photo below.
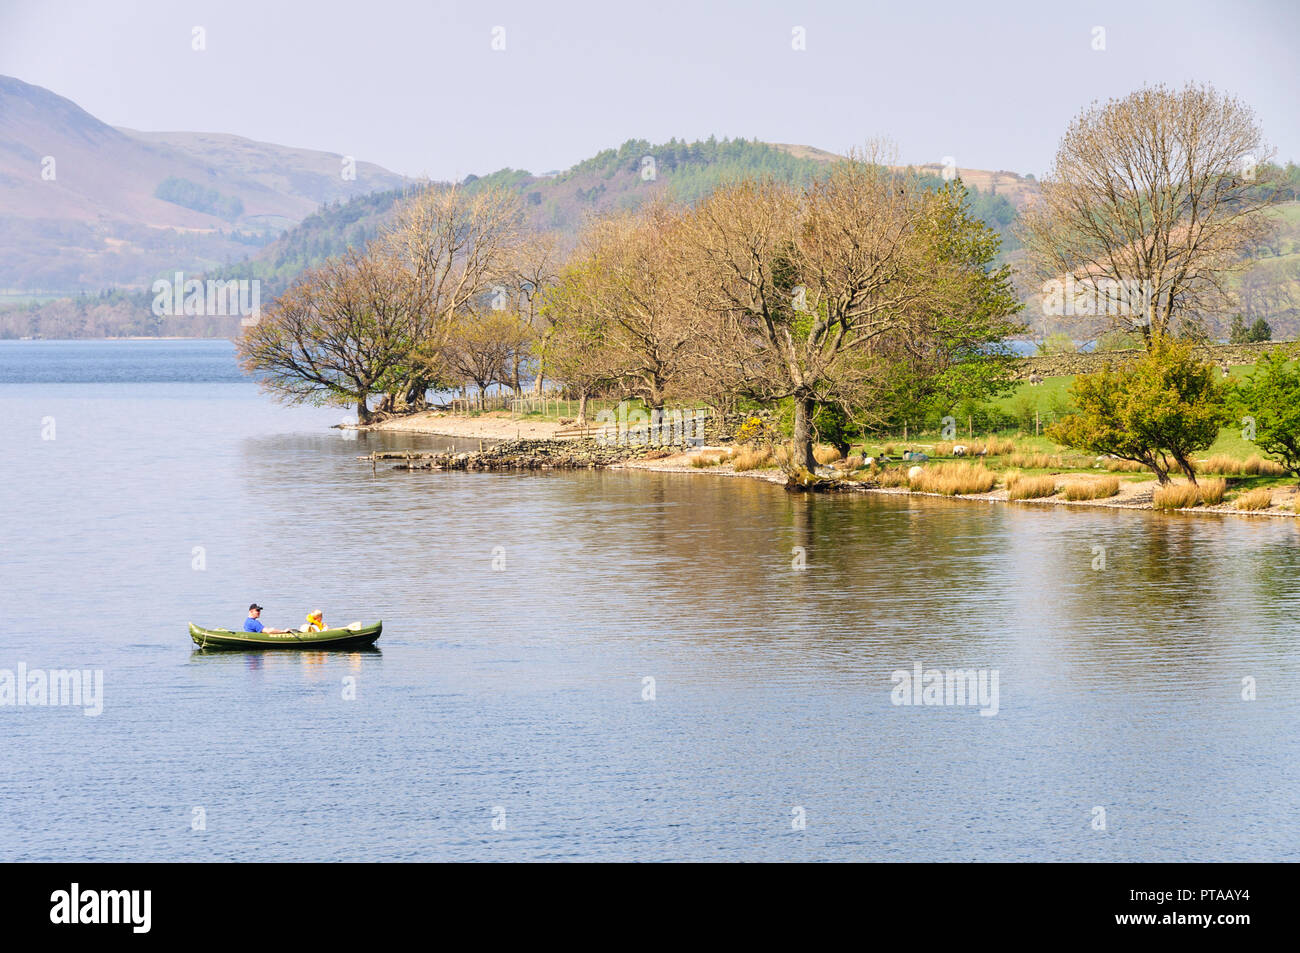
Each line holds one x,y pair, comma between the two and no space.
325,639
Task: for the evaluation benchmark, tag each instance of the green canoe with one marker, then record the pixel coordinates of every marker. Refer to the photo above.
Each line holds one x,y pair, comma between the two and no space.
355,636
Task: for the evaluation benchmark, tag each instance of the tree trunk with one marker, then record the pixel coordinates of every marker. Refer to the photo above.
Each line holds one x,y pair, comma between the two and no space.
582,409
803,436
363,412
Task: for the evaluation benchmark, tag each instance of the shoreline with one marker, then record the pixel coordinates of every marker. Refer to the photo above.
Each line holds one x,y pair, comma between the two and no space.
1138,499
1134,494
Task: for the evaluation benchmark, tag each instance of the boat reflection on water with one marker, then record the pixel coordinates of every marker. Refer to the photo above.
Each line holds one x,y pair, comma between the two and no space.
256,659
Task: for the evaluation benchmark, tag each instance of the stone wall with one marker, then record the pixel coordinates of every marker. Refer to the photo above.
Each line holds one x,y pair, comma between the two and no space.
1060,365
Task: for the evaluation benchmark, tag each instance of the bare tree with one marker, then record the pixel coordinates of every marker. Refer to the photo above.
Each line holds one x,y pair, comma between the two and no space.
1152,203
812,281
343,332
453,243
532,268
627,279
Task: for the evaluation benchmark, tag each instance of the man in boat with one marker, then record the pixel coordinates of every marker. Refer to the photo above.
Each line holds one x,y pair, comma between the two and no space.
252,623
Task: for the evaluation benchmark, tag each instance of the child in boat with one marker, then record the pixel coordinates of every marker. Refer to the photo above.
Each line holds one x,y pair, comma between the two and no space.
315,621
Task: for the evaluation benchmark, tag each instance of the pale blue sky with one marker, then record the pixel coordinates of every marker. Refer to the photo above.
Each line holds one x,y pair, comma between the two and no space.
417,86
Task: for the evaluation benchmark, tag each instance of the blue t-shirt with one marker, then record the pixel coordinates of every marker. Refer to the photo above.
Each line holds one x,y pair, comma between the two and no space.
252,625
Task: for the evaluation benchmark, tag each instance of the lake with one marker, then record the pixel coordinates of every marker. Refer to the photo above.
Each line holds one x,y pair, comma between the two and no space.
603,665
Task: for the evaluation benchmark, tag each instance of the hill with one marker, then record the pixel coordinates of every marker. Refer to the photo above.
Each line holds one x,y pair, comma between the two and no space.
86,206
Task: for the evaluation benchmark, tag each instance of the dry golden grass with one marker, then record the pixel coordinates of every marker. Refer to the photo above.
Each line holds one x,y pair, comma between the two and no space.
1260,499
1221,463
989,446
893,477
1212,491
1122,466
752,459
1254,465
782,455
954,478
1175,496
1090,489
708,460
1035,461
1179,496
1021,487
824,453
854,462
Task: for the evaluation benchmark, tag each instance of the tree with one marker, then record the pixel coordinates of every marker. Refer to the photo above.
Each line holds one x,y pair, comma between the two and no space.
954,348
1259,332
1159,196
576,353
825,295
812,280
1270,397
1164,407
1238,333
343,332
630,283
452,244
531,269
486,347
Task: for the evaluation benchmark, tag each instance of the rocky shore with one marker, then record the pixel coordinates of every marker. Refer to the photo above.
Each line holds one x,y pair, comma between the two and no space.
520,454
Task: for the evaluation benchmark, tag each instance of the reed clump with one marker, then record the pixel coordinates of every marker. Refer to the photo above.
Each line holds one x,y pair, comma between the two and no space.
1021,487
1260,499
1100,489
1212,491
1122,466
1254,465
892,476
824,453
752,458
1182,496
955,478
1034,461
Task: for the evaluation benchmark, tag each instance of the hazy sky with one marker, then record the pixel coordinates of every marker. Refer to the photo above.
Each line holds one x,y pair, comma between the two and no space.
419,88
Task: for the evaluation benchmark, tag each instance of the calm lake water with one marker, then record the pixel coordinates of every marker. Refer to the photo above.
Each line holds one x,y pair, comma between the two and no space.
173,491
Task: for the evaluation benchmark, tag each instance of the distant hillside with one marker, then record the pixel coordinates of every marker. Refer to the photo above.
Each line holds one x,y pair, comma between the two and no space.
615,179
1017,189
86,206
314,177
